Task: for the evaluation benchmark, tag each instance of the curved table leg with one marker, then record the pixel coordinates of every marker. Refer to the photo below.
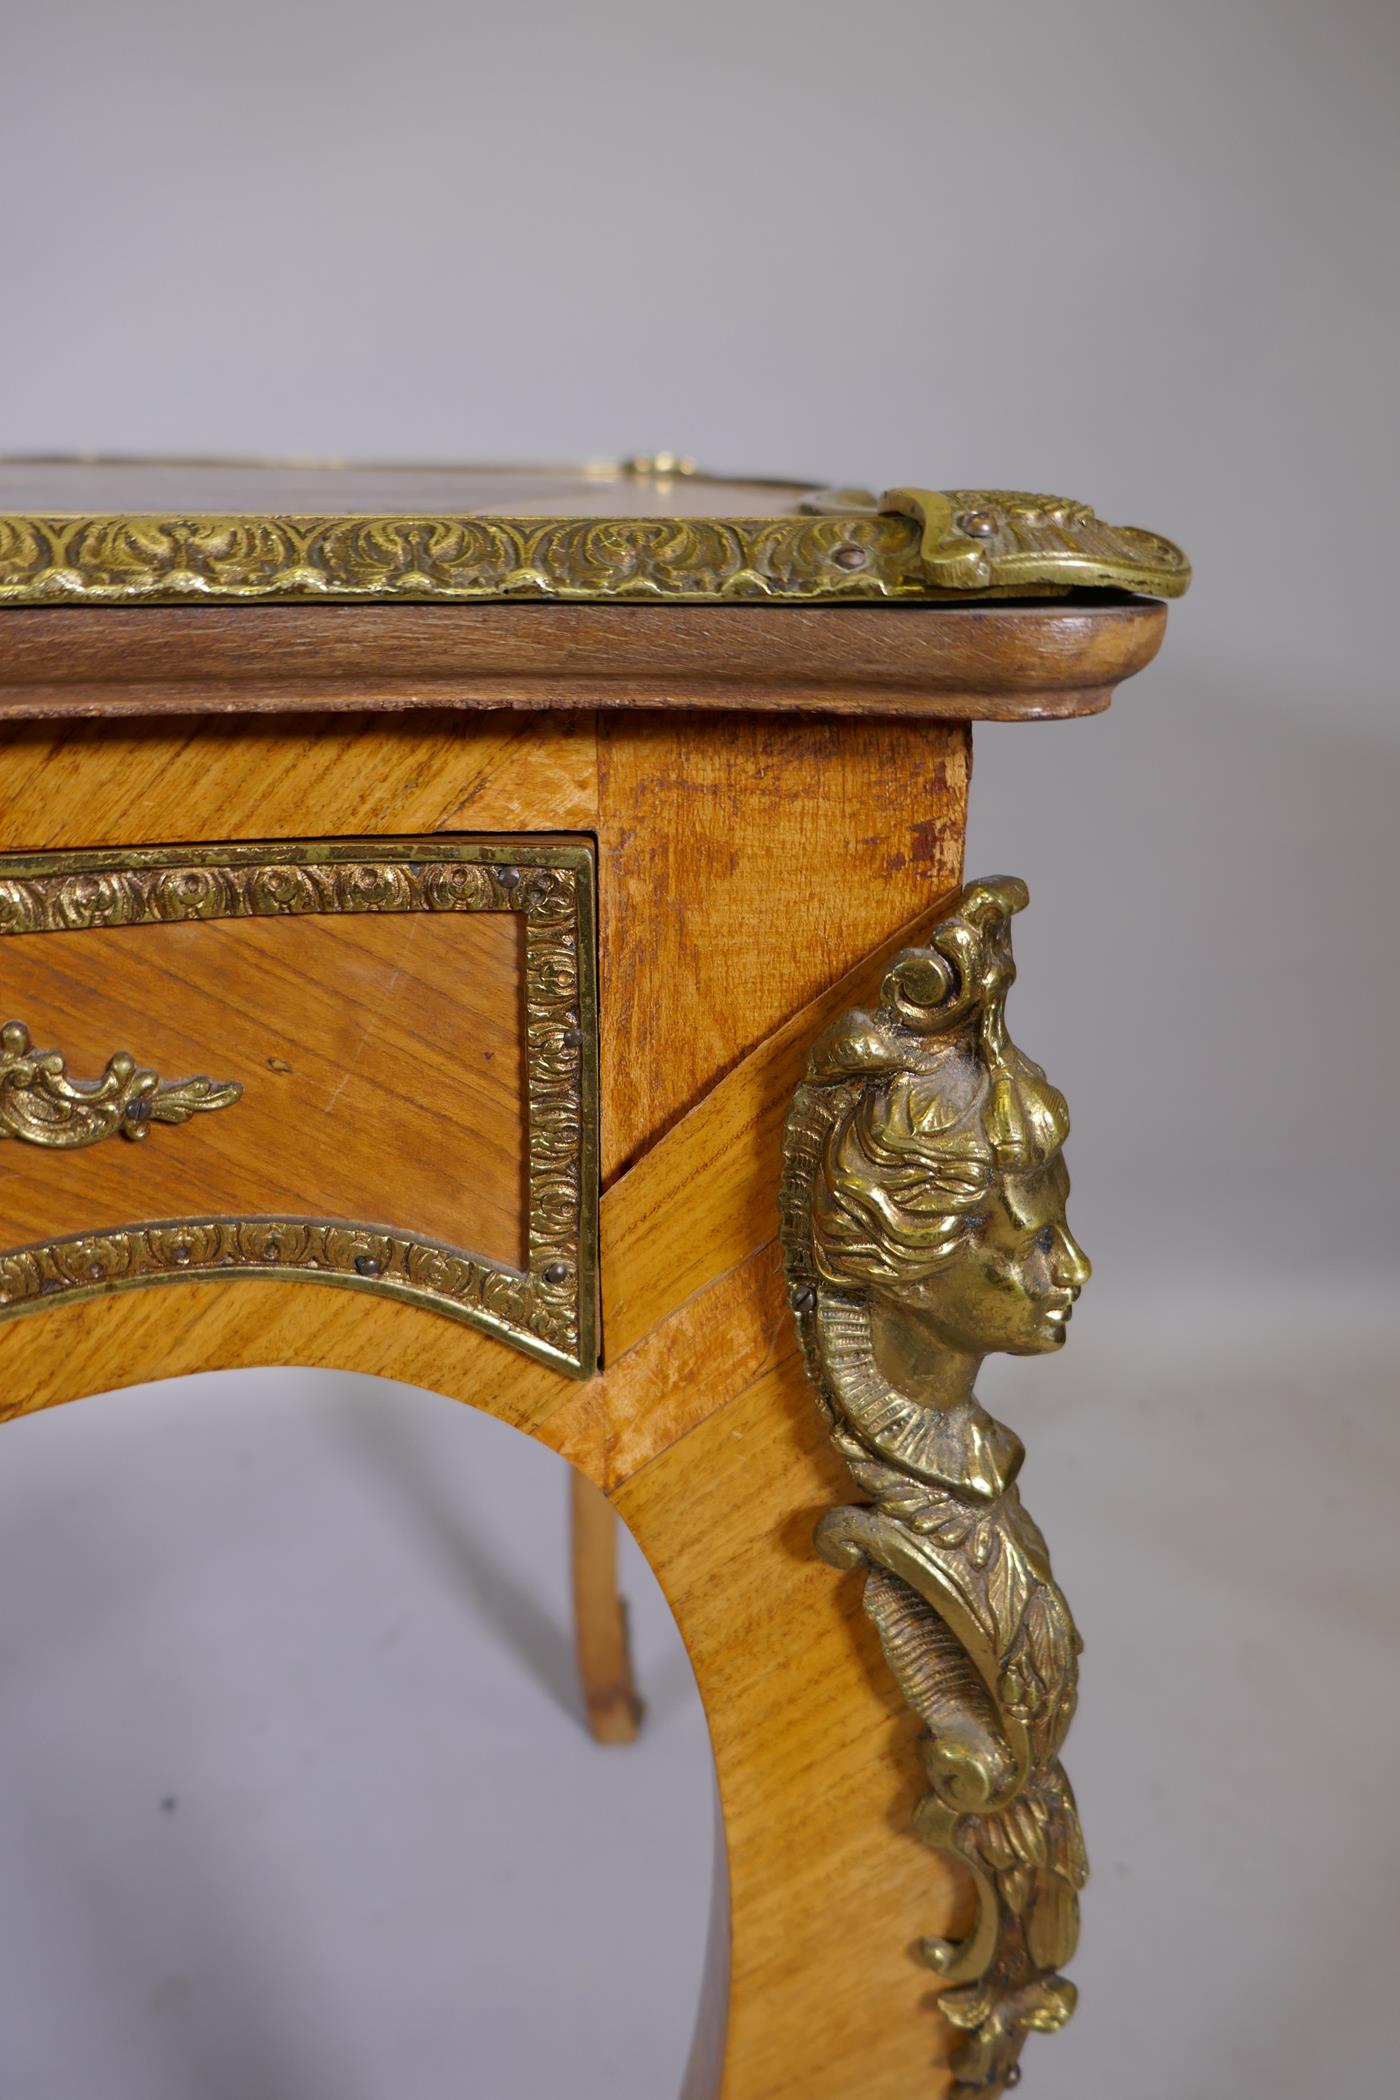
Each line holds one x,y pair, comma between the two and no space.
601,1644
830,1891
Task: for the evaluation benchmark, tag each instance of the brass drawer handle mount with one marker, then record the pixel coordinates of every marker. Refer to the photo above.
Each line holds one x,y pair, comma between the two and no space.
41,1105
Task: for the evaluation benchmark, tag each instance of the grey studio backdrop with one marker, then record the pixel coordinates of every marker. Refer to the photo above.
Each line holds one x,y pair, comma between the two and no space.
294,1802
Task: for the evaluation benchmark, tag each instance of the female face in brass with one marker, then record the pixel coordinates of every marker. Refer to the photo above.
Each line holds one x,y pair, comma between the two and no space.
1010,1282
941,1192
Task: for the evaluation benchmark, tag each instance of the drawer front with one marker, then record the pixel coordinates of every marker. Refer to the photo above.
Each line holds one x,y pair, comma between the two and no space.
370,1063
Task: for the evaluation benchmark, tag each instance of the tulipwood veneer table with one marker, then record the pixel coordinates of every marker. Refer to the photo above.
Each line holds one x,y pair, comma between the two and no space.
503,932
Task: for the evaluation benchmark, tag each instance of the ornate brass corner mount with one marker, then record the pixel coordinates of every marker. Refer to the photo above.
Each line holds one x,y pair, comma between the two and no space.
924,1225
40,1104
1006,540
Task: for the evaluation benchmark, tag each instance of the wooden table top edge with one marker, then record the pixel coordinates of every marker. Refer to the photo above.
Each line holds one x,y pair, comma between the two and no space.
992,661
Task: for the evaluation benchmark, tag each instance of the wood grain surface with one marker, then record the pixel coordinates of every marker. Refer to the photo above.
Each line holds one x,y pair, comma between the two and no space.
989,662
380,1059
601,1646
744,864
829,1889
703,1201
187,779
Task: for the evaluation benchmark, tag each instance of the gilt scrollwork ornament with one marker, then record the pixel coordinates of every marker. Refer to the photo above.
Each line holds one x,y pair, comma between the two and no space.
41,1105
924,1226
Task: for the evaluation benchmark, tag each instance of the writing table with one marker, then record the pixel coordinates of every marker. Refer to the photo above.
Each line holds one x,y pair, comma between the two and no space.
504,931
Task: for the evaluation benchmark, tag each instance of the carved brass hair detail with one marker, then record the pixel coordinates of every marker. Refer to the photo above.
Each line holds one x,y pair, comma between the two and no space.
41,1105
924,1227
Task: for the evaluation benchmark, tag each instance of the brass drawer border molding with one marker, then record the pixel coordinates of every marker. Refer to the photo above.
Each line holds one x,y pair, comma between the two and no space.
548,1309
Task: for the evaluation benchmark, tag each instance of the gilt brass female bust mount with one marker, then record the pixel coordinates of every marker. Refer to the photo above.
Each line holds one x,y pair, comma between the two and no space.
924,1225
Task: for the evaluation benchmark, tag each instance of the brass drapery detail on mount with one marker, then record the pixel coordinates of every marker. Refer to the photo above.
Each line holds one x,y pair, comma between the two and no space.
924,1225
41,1105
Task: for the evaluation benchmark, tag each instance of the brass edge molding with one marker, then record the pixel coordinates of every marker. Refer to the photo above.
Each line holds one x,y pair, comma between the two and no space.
41,1105
548,1309
917,546
924,1227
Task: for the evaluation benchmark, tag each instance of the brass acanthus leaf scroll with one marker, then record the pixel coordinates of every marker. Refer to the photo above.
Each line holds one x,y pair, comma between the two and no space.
40,1104
924,1225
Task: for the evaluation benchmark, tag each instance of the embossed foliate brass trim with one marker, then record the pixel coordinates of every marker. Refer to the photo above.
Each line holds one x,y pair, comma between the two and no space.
916,544
548,1309
924,1227
41,1105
